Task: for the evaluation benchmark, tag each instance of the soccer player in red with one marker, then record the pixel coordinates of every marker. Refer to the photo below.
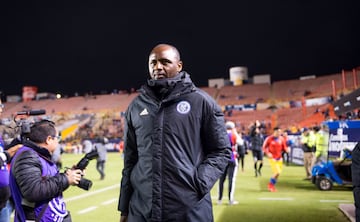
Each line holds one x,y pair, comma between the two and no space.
273,147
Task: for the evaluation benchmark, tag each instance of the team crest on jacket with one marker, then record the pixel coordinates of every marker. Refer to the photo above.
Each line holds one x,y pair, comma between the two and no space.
183,107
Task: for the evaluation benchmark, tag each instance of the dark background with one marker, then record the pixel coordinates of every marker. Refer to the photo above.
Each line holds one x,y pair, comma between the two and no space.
97,46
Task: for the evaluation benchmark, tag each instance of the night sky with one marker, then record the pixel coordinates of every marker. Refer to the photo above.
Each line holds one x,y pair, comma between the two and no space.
96,46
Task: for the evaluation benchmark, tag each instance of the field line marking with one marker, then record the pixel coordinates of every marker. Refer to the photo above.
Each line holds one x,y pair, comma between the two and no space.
109,201
92,193
276,198
87,210
340,201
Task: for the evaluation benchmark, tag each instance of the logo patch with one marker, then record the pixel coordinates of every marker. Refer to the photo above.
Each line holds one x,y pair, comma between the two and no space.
144,112
183,107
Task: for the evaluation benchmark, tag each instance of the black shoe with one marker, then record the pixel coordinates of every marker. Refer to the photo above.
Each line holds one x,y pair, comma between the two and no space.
259,172
256,173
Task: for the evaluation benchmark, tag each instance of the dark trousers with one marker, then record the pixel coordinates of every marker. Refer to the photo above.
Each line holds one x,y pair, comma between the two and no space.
286,158
100,166
229,172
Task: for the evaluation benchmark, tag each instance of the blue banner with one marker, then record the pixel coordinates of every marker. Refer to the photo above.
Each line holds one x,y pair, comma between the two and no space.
343,135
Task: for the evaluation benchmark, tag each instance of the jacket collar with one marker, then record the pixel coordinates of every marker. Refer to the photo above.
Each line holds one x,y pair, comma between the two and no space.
166,88
40,150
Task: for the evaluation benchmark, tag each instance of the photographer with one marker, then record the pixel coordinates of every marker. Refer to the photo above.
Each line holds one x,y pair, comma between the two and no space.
35,182
5,156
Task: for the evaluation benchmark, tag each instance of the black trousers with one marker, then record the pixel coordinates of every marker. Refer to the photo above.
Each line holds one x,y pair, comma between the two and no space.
229,172
100,166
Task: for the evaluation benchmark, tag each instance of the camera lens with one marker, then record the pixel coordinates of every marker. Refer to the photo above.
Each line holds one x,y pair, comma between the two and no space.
85,184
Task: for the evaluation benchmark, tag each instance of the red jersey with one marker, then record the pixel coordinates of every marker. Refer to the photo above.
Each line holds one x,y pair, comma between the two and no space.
275,146
232,138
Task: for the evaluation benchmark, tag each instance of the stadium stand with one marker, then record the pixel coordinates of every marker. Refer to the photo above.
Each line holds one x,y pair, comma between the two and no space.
244,94
281,103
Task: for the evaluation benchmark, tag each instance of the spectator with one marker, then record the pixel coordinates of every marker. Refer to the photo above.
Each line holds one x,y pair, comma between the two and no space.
175,146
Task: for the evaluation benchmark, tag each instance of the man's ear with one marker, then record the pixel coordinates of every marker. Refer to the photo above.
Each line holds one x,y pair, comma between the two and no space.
180,65
48,139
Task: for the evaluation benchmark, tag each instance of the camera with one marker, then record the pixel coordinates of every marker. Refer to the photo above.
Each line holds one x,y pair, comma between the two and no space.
23,125
82,164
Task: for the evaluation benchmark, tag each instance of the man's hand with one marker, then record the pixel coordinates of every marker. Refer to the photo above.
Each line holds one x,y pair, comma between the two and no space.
269,155
74,176
123,219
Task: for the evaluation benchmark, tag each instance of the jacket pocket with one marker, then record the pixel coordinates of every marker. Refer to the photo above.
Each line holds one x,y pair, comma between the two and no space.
202,211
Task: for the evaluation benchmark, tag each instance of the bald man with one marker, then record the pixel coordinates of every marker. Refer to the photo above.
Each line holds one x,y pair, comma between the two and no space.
175,146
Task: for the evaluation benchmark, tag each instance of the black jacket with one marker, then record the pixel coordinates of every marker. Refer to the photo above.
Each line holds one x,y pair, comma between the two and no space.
175,150
27,170
256,139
